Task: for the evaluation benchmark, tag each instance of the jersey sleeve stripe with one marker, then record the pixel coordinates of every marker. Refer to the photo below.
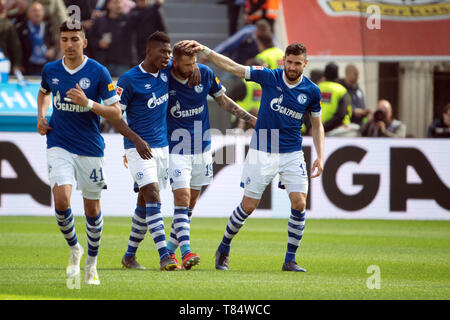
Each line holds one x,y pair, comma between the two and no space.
111,100
247,73
220,92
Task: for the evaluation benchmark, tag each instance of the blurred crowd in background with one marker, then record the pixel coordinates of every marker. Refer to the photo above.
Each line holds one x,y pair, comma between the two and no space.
117,31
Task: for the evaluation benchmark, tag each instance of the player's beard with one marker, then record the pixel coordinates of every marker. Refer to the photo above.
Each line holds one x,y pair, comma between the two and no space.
183,75
292,76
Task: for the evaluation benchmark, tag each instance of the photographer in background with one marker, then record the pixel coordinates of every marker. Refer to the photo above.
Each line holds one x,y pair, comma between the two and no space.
382,124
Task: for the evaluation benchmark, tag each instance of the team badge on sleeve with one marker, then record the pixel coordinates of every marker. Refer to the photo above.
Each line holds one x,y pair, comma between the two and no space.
217,80
111,87
119,91
258,68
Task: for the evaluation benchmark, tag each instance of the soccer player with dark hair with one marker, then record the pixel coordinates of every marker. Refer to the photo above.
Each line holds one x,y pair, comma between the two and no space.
74,144
144,96
276,144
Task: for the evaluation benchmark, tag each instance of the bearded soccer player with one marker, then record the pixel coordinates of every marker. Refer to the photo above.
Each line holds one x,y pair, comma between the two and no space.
276,145
190,164
74,144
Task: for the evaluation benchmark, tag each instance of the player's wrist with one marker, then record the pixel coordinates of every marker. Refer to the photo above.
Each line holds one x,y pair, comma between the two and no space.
207,51
90,104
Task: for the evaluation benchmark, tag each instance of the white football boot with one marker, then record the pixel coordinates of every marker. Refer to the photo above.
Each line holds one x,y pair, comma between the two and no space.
91,275
73,267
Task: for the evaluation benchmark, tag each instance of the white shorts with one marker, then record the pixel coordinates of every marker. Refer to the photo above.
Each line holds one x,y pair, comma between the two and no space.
191,171
65,167
154,170
261,167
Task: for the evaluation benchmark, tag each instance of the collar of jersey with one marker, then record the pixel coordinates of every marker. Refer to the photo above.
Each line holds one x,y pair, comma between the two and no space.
291,86
142,69
73,71
178,79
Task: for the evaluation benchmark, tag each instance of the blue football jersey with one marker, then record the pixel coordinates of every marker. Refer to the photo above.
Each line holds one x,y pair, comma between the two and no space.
188,116
281,111
144,97
76,128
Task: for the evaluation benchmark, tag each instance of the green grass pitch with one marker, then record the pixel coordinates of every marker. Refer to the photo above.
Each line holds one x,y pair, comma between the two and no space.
413,258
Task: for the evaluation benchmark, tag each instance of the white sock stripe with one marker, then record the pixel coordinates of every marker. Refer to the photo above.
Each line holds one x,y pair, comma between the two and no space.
181,224
157,216
133,244
227,235
62,216
295,231
181,208
242,211
94,243
160,244
182,243
67,226
239,215
298,223
238,222
152,205
158,233
233,228
137,235
156,224
182,233
294,242
97,227
139,219
94,235
69,235
138,227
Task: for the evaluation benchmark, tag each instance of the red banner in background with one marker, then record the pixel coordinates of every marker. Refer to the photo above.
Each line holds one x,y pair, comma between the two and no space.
408,30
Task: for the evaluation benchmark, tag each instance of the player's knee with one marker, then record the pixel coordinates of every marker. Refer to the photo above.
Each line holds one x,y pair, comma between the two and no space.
141,200
249,205
182,197
298,204
91,207
62,204
151,193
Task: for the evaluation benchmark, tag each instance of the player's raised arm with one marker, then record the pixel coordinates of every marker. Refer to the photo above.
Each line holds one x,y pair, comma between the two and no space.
232,107
219,60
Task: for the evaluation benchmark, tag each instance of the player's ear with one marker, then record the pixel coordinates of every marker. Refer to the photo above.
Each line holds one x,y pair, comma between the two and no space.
85,43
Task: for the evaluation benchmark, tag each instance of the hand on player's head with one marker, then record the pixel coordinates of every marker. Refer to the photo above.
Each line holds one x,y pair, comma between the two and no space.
192,46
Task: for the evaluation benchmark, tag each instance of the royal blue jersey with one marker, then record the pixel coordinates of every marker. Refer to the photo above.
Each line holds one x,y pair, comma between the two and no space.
187,116
144,96
281,111
76,128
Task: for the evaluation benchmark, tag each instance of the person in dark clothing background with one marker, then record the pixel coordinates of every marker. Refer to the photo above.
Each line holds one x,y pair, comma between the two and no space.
110,39
146,18
350,82
36,39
